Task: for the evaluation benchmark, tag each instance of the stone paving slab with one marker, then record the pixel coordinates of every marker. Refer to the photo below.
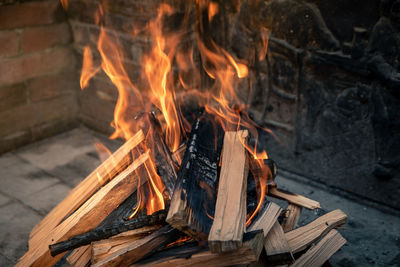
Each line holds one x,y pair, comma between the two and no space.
35,178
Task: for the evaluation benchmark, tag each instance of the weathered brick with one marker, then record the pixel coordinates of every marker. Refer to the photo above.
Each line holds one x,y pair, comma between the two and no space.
51,86
12,96
9,43
30,14
36,64
39,38
60,108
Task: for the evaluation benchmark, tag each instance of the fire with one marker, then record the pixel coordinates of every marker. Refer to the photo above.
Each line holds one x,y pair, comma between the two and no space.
167,68
64,4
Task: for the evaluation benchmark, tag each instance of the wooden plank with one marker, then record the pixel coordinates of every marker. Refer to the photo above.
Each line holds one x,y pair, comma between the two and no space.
196,256
193,202
88,216
304,236
80,257
291,217
230,212
85,189
104,248
103,232
140,248
267,219
294,198
277,247
320,253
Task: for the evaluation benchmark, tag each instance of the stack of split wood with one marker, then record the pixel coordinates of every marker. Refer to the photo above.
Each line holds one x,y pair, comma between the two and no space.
209,198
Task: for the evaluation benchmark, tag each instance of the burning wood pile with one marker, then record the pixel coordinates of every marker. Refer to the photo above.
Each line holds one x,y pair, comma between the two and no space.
183,189
205,222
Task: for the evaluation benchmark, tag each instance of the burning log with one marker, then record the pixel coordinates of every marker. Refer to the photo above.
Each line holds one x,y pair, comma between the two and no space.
88,216
80,257
320,253
291,217
193,201
190,255
230,212
160,152
100,233
104,248
277,247
302,237
100,176
140,248
294,198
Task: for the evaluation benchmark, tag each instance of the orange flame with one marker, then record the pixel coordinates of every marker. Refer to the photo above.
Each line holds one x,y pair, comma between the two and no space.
158,89
88,70
64,4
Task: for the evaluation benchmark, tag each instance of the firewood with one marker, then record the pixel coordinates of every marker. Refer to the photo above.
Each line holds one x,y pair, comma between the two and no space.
190,255
178,154
320,253
80,257
230,212
105,232
88,216
193,202
266,220
160,152
277,247
291,217
84,190
104,248
294,198
302,237
140,248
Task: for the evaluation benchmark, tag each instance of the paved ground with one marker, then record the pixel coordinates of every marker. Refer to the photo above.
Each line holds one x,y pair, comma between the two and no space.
36,177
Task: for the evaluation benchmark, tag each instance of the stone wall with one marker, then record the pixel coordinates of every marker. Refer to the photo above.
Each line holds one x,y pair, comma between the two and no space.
37,72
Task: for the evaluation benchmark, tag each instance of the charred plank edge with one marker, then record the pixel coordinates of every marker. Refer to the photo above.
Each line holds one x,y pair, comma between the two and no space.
199,164
106,232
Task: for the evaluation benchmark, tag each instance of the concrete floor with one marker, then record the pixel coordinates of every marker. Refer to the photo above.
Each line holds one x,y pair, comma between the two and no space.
36,177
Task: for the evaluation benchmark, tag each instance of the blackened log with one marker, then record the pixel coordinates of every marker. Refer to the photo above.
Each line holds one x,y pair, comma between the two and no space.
106,232
193,203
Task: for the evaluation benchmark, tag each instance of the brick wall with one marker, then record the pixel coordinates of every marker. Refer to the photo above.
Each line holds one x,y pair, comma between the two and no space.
38,81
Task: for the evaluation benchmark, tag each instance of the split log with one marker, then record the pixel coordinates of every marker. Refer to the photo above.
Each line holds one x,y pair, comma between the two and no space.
85,189
80,257
277,247
104,248
193,202
304,236
159,152
140,248
291,217
294,198
266,220
320,253
177,155
230,212
100,233
190,255
88,216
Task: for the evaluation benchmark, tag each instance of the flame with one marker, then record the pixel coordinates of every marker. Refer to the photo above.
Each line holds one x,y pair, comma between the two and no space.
64,4
88,70
168,66
212,10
